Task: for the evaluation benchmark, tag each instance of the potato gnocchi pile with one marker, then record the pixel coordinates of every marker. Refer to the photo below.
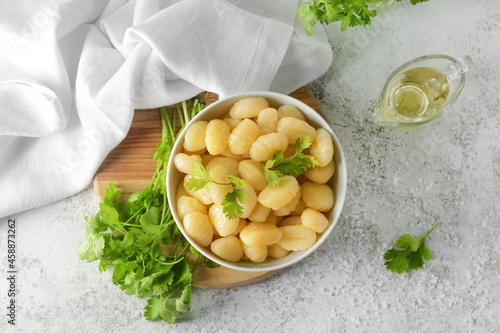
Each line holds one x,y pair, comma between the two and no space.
274,220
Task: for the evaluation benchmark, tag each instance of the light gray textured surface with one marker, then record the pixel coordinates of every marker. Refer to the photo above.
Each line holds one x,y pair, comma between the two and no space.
399,182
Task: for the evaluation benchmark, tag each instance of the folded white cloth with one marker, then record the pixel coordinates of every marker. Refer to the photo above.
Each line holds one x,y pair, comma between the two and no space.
72,72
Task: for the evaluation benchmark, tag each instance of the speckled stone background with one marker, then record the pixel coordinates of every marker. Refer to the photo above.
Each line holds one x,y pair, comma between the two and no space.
399,182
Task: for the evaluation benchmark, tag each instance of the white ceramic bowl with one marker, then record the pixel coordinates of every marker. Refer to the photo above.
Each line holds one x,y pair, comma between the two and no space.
338,181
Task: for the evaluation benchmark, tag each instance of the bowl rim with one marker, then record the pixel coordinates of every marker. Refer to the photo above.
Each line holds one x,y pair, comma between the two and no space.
341,171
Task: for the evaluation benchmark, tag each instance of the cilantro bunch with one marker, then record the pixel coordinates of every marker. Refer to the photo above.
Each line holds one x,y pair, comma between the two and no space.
408,253
139,238
351,12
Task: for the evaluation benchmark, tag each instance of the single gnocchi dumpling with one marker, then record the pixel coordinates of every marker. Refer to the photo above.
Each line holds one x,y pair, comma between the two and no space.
296,238
220,222
250,202
265,146
277,197
321,175
216,136
255,253
248,107
253,173
228,248
242,137
289,110
322,147
184,162
203,195
276,251
194,139
314,220
267,120
317,196
187,205
229,163
295,128
259,213
258,234
198,226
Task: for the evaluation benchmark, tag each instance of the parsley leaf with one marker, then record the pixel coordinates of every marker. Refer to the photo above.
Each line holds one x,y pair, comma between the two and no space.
157,307
408,252
199,177
351,13
233,201
278,167
93,248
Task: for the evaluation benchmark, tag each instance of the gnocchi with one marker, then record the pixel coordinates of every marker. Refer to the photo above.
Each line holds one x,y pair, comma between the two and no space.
288,110
228,248
275,220
267,145
322,147
184,162
296,238
253,173
187,204
317,196
257,234
320,174
242,137
216,135
220,222
248,107
267,120
199,228
255,253
278,197
295,128
314,220
194,139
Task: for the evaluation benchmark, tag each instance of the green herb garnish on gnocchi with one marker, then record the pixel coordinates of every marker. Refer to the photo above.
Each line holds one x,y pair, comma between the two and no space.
279,166
233,201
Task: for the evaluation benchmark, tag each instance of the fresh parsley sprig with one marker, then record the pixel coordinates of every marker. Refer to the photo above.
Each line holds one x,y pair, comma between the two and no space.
408,253
278,167
232,204
143,244
351,12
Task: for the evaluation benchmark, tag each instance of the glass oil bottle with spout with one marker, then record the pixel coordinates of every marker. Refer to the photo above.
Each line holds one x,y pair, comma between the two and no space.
421,90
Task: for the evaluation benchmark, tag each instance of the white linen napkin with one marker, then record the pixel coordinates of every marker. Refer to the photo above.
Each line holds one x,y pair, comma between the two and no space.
72,72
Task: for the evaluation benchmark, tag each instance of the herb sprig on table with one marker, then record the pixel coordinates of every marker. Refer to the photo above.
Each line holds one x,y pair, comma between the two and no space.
408,253
351,12
139,238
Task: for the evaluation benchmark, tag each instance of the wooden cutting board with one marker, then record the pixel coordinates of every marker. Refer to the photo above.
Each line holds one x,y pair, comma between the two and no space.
130,166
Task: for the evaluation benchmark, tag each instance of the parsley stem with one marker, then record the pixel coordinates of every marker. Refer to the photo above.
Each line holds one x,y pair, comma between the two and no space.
183,250
134,215
213,181
428,232
184,108
196,264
